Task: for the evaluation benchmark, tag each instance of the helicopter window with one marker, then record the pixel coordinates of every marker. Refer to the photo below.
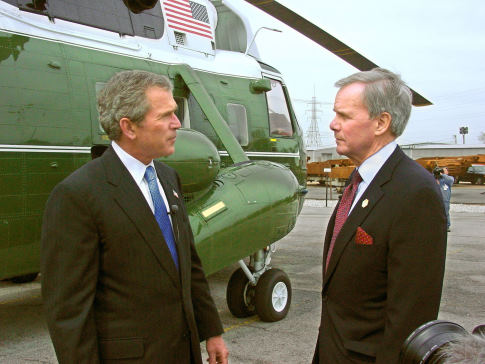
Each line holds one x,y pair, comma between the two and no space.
199,121
109,15
238,122
279,116
148,23
182,112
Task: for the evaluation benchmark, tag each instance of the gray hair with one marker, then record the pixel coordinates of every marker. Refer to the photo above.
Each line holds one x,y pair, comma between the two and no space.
124,96
384,92
467,349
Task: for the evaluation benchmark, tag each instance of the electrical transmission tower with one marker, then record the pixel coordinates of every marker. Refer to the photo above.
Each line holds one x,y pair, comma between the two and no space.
313,138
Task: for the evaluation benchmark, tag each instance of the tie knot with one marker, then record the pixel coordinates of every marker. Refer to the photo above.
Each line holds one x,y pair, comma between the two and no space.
356,178
149,173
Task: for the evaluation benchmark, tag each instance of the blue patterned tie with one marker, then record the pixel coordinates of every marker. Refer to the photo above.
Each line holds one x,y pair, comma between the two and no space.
161,214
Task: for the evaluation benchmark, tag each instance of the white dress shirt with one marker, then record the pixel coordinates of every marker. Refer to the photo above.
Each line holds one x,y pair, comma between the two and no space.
370,167
137,170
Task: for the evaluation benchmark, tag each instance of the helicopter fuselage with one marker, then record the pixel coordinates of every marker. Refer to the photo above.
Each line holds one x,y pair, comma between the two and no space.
240,153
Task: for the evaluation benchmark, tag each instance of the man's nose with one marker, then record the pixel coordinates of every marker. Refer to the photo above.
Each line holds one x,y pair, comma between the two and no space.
177,124
334,124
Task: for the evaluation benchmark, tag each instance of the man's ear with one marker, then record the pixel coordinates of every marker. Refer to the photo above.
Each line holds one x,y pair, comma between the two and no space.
383,123
128,128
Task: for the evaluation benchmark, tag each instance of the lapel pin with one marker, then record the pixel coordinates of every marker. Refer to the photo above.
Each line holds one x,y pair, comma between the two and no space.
365,203
175,194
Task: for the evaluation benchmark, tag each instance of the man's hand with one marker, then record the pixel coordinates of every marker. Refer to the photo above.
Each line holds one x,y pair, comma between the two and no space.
216,348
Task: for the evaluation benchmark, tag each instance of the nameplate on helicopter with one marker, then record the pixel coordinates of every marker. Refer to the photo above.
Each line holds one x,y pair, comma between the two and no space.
212,211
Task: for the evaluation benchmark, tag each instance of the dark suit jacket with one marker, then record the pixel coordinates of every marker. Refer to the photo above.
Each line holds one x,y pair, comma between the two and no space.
110,287
375,295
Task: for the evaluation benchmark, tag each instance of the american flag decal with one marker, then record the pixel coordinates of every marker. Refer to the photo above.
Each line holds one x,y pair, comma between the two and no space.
188,16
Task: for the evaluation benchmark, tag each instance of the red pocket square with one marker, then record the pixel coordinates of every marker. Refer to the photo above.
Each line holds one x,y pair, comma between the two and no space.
362,238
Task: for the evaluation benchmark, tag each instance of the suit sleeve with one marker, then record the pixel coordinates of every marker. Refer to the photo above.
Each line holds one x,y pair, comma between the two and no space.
416,259
69,267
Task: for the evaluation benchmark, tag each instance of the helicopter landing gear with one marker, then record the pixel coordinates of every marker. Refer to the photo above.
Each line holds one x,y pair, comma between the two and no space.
273,295
240,295
259,289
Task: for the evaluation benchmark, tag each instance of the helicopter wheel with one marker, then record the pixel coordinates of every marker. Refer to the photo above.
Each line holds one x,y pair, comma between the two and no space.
273,295
240,295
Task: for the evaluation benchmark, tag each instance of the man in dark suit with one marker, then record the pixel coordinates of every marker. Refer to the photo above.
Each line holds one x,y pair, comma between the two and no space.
121,279
385,246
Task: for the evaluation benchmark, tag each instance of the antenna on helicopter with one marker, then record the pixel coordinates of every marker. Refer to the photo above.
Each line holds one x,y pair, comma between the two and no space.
255,34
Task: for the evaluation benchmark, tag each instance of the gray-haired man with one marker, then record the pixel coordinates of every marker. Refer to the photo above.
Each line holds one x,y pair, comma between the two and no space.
385,244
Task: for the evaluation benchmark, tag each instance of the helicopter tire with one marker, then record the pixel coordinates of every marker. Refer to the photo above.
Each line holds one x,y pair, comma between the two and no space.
273,295
26,278
240,295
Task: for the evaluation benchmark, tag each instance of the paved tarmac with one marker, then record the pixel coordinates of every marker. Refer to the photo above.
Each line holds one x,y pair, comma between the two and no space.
24,337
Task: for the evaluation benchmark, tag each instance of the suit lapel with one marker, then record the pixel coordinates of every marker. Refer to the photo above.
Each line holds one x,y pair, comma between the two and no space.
372,194
131,200
329,232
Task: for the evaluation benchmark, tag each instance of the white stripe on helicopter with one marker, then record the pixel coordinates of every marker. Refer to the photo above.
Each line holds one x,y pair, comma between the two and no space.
79,149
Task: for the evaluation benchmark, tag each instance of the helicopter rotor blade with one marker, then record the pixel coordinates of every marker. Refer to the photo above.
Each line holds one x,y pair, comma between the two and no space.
321,37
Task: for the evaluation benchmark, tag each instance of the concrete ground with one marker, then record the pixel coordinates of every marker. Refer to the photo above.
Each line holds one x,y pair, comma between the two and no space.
24,337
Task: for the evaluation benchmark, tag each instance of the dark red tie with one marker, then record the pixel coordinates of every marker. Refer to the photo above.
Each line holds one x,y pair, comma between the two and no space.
343,211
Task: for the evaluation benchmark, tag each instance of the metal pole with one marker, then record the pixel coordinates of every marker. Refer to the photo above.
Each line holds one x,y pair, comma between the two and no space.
246,271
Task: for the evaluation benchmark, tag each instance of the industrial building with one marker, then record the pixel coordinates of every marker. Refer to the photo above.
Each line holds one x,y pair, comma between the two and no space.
415,151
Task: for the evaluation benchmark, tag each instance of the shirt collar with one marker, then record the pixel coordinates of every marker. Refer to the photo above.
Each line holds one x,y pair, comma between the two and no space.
369,168
134,166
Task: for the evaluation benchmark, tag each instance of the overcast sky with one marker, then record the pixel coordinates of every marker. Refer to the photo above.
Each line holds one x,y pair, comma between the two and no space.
438,47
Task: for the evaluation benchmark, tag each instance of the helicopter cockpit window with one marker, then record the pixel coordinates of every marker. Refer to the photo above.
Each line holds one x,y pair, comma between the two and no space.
238,122
279,115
